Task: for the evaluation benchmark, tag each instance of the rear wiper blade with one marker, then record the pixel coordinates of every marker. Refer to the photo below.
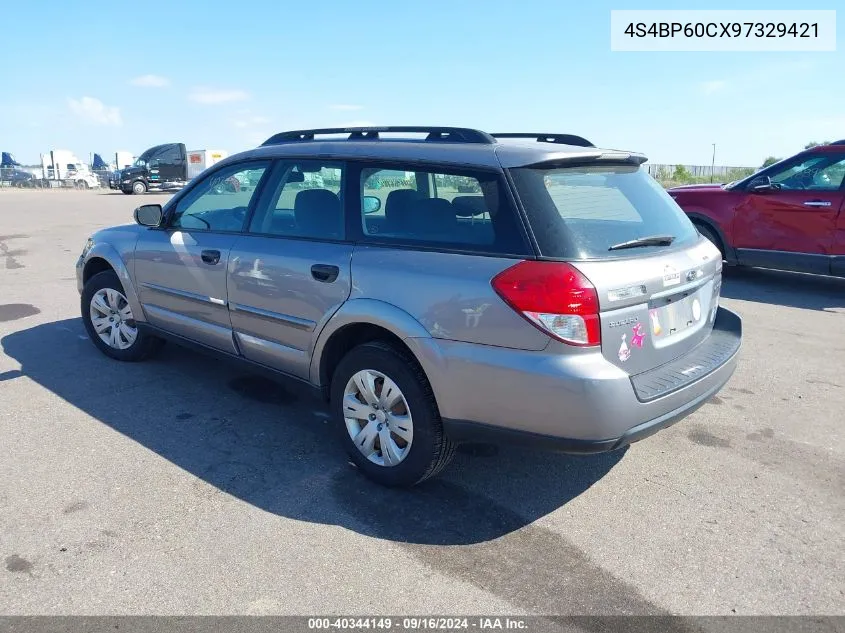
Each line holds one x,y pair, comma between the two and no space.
651,240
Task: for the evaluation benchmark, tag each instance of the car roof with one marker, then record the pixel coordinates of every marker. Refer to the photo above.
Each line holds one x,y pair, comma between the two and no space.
487,151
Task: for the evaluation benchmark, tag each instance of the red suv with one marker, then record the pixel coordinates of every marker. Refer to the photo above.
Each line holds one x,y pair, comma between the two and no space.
789,216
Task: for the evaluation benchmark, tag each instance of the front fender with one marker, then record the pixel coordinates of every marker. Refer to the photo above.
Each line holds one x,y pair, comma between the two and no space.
381,314
108,253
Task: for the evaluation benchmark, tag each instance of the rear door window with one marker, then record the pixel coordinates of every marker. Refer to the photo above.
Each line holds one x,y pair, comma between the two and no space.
581,212
451,209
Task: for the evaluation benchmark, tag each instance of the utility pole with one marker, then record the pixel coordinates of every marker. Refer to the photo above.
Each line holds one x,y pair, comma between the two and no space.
713,163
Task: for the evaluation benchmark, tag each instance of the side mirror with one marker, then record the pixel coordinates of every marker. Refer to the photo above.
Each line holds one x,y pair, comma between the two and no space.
763,184
371,204
149,215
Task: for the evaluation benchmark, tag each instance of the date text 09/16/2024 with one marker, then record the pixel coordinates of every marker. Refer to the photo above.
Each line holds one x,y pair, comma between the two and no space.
417,623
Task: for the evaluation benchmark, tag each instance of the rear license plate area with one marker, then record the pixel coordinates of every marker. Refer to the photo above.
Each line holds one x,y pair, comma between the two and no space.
671,316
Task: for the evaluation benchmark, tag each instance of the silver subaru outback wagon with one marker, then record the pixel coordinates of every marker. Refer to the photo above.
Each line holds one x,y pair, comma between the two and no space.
444,286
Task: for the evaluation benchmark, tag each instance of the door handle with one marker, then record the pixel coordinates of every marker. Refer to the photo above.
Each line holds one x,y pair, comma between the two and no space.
817,203
210,257
325,272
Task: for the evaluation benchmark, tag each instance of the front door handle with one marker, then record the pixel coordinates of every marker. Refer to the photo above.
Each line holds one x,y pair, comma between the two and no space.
211,257
817,203
325,272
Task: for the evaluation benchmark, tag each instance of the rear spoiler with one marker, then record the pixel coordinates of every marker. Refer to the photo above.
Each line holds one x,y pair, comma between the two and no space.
581,158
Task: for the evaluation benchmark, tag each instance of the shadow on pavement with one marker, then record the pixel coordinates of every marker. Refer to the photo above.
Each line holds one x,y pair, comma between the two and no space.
274,447
797,290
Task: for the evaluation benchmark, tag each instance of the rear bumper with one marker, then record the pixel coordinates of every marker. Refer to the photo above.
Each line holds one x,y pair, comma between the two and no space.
578,403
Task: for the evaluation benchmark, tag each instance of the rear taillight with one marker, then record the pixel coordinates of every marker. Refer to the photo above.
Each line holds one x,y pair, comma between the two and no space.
555,297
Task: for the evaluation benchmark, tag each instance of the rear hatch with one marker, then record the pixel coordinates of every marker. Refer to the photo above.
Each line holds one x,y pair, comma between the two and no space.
656,279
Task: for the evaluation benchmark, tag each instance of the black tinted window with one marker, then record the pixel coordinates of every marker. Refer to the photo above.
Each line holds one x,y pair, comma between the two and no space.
465,210
580,212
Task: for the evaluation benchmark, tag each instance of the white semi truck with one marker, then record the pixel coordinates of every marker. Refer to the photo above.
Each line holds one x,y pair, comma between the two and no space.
61,168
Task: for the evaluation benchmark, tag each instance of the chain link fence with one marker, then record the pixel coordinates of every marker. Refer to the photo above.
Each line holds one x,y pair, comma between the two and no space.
673,175
32,178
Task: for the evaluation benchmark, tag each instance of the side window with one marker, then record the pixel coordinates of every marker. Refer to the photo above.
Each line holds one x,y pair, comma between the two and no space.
220,201
302,200
830,177
816,173
466,210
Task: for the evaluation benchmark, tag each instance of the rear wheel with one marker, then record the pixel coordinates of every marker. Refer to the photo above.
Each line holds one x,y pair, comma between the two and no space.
109,321
387,416
139,187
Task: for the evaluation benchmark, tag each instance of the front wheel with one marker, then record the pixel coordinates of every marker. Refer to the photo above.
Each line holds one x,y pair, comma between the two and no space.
707,232
387,416
109,321
139,187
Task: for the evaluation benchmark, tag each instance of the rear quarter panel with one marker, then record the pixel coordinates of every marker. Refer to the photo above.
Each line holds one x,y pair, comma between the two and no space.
448,294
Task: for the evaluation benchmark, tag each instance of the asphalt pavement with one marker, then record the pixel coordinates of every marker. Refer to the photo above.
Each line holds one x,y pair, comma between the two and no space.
184,486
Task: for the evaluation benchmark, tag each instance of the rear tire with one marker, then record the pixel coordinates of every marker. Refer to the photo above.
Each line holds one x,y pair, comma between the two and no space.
710,234
429,449
104,301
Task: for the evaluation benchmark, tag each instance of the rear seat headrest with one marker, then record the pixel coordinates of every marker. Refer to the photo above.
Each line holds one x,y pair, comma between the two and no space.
468,206
432,215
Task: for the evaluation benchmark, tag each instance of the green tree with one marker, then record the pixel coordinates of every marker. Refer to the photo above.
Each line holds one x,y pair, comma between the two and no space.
813,144
681,173
771,160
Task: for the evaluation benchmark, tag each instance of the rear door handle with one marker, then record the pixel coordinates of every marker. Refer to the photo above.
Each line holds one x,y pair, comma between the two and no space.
325,272
817,203
211,257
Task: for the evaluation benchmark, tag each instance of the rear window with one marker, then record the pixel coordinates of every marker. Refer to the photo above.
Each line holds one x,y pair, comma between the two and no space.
581,212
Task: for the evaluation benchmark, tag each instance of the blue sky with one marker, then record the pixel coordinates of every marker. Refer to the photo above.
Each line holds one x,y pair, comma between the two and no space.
110,76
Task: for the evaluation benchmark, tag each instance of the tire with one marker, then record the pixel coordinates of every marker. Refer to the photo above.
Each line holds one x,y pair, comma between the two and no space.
429,449
141,347
139,187
82,184
710,234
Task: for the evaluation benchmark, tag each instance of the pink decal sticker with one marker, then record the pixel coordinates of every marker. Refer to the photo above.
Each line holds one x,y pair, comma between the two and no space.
639,335
624,351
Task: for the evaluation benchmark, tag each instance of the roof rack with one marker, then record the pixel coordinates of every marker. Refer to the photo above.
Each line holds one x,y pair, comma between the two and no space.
564,139
440,134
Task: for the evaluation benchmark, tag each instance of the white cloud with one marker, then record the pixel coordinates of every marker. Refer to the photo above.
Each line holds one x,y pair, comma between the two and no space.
150,81
95,111
710,87
208,95
345,107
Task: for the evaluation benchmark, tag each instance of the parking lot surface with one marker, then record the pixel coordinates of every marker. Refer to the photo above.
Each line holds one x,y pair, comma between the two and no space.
183,486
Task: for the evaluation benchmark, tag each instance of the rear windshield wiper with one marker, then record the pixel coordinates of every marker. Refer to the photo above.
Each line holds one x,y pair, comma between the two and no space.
651,240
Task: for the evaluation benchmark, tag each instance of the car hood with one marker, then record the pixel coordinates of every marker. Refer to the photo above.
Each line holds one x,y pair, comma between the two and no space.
121,230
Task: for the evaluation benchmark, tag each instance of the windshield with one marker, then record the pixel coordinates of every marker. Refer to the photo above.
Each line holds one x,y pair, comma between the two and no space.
582,212
141,162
